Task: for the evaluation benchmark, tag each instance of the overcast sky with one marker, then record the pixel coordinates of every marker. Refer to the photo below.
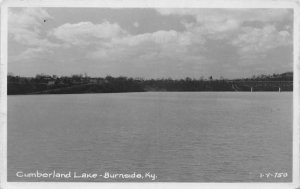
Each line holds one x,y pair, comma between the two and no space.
150,43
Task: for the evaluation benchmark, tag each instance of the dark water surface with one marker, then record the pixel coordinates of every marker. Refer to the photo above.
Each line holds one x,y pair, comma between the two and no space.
180,137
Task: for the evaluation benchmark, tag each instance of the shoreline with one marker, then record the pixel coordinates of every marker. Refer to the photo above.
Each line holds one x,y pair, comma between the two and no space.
30,94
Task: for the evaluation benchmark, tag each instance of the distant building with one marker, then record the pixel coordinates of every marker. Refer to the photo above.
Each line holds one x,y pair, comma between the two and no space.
93,80
44,77
96,81
51,83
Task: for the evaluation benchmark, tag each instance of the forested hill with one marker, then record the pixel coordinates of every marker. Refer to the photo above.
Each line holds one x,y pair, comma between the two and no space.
46,84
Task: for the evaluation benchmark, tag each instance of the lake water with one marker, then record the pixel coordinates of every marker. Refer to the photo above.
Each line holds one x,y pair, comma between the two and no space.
179,137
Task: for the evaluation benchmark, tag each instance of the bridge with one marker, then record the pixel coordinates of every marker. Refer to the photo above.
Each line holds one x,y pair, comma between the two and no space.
250,85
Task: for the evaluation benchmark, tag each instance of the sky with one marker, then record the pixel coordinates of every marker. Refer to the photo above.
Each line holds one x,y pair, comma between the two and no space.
150,43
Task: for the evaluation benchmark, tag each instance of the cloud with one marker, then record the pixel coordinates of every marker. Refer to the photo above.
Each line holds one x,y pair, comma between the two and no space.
158,37
242,15
136,24
223,23
252,34
152,54
109,42
27,18
24,26
160,43
260,40
133,45
212,42
30,54
85,33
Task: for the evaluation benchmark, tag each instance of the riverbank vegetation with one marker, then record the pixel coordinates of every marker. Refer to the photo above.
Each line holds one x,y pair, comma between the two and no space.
46,84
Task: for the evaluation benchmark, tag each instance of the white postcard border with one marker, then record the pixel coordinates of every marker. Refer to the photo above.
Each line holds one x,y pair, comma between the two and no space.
294,4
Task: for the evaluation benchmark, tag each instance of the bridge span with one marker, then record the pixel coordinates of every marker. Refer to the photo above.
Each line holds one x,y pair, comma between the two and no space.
250,85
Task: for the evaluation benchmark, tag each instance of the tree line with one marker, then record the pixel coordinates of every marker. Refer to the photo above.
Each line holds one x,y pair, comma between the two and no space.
46,84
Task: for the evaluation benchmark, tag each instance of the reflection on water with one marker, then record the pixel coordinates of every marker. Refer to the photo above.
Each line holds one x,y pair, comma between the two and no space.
181,137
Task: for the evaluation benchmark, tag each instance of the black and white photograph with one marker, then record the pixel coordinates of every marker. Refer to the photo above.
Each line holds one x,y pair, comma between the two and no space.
150,94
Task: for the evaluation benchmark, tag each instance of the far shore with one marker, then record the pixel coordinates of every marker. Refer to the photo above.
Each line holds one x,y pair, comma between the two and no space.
78,84
32,94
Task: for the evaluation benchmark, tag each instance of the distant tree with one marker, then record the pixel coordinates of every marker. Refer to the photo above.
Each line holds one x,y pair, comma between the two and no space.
109,78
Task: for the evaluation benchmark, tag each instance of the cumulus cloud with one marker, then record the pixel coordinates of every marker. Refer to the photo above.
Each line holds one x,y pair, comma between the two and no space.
159,37
30,54
153,54
242,15
260,40
24,26
84,33
130,45
160,43
211,41
233,27
111,34
221,23
27,18
111,41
